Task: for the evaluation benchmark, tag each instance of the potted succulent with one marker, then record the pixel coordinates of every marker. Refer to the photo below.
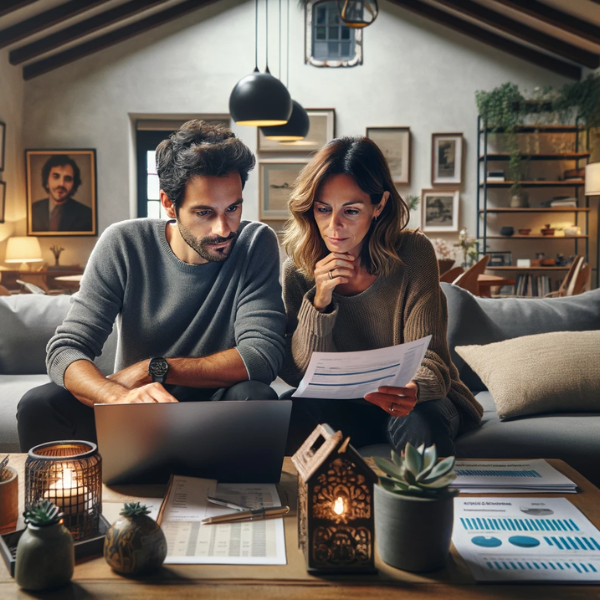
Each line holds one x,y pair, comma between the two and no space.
135,544
45,554
414,509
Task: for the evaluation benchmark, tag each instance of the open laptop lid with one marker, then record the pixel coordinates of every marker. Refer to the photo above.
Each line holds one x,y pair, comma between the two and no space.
230,441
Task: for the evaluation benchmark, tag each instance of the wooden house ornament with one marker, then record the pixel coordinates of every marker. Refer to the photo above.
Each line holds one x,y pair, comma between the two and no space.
335,504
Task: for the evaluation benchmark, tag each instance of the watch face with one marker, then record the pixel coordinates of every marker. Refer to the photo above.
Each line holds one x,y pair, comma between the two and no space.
158,367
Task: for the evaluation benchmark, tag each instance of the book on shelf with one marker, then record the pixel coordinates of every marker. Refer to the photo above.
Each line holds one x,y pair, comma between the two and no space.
528,285
495,179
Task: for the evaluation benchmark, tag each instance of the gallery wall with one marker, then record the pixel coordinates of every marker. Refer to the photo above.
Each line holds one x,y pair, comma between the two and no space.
415,73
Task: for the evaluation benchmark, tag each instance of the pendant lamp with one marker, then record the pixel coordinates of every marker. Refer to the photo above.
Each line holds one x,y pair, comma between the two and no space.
358,13
297,126
260,99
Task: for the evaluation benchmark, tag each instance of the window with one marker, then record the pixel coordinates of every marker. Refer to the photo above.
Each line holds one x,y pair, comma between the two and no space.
330,43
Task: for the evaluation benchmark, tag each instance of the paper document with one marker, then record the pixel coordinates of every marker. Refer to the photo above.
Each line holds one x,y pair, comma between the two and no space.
249,543
526,539
510,476
343,375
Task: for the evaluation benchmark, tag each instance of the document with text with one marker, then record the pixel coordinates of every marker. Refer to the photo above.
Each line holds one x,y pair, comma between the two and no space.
343,375
247,543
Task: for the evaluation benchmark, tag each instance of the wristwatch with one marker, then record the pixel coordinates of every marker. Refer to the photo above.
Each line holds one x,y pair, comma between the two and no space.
158,369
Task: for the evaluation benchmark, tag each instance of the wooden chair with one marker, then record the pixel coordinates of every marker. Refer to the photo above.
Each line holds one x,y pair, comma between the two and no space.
469,279
574,281
451,275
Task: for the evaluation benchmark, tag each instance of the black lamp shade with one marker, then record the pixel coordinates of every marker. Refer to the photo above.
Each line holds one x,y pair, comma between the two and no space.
260,99
295,129
358,13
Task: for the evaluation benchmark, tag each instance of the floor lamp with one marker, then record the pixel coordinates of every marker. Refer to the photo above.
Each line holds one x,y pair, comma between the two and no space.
592,188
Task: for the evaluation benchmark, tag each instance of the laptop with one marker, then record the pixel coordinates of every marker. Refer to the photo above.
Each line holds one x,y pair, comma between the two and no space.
230,441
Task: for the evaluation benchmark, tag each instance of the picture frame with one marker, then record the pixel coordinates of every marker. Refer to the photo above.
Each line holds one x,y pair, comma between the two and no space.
64,179
2,144
500,259
276,183
2,200
439,210
321,131
446,158
395,143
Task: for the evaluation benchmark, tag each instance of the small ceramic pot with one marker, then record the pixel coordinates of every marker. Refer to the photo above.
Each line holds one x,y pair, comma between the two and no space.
520,200
524,231
507,231
548,230
548,262
45,557
135,545
412,534
9,499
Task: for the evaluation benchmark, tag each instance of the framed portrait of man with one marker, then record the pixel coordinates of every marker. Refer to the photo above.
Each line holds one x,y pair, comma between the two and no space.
439,210
61,192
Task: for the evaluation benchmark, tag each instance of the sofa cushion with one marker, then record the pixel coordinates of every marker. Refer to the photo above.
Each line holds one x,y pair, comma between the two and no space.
478,321
548,372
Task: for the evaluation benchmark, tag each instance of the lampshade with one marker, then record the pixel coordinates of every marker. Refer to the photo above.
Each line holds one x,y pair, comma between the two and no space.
295,129
358,13
592,179
260,99
24,249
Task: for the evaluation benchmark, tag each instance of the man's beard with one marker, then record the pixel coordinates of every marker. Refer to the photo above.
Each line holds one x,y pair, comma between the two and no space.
202,245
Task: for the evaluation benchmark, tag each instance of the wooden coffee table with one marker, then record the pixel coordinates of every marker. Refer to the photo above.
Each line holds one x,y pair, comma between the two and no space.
94,579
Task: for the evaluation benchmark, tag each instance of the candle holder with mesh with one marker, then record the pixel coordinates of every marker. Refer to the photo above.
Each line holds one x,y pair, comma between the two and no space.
69,474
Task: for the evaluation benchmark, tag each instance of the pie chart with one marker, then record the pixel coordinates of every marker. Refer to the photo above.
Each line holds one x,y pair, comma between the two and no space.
524,541
486,542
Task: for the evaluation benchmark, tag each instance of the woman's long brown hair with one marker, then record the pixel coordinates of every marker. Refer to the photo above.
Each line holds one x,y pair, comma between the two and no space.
361,159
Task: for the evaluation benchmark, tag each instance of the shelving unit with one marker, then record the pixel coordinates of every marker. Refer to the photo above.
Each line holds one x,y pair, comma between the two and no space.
483,209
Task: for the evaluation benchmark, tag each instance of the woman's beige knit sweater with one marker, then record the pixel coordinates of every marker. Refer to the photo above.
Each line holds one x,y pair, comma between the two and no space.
402,307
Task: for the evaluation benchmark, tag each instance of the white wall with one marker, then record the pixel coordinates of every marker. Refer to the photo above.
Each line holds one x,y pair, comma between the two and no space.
415,73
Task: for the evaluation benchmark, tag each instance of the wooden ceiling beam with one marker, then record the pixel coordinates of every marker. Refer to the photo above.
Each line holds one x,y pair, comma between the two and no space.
556,18
50,17
9,6
487,37
524,32
79,30
113,37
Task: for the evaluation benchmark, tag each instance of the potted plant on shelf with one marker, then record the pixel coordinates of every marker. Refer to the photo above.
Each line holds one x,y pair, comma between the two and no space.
45,554
414,509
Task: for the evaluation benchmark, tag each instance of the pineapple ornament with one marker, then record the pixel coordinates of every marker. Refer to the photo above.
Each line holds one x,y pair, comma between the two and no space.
135,544
45,554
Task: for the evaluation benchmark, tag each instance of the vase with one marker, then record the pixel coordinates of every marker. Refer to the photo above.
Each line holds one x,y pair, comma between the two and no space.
45,557
412,533
519,200
135,545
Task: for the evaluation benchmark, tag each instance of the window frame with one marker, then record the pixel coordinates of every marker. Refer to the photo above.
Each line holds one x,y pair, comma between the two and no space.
308,41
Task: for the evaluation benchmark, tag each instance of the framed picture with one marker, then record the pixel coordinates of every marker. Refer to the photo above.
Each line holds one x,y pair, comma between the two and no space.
321,130
276,183
61,192
446,158
500,259
2,200
394,142
2,144
439,210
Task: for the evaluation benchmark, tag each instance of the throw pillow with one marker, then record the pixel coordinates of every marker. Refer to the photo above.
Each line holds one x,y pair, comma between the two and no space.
548,372
473,320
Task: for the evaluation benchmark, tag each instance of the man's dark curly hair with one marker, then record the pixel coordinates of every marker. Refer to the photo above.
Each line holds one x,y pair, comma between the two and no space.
61,160
199,148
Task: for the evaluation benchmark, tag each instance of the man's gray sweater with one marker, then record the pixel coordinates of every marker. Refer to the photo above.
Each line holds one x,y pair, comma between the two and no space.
165,307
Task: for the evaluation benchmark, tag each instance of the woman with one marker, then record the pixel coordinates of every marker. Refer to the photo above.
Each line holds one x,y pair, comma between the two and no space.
357,279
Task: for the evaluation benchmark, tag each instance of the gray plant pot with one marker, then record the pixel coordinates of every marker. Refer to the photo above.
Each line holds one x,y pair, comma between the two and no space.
412,534
45,557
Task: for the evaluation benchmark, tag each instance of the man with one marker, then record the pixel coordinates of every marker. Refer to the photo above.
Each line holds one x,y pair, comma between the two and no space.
197,300
61,178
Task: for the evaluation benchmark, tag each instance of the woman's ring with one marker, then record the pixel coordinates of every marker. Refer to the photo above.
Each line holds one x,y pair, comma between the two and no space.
330,274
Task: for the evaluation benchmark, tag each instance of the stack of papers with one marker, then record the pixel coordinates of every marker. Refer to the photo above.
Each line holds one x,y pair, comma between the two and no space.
510,477
526,539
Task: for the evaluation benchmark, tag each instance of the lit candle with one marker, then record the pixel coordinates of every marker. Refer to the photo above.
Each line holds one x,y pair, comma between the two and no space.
70,498
338,506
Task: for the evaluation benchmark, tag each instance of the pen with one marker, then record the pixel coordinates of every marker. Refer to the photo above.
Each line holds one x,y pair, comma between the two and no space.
249,515
227,503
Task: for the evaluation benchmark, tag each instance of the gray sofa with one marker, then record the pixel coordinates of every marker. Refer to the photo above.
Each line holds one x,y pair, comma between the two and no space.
28,321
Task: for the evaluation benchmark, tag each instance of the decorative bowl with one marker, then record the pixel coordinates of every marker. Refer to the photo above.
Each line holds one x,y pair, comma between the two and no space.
548,230
524,231
547,262
507,231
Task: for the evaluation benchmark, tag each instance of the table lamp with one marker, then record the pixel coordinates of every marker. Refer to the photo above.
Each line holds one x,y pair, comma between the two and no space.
23,250
592,188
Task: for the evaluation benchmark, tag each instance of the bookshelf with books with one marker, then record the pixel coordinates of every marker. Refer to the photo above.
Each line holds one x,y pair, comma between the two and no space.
561,168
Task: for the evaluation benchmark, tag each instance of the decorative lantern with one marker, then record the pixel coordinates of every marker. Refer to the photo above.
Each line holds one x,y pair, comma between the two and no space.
69,474
335,504
358,13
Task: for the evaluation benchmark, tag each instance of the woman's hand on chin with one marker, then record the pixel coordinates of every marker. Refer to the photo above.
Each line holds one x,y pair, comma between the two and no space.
330,272
396,401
